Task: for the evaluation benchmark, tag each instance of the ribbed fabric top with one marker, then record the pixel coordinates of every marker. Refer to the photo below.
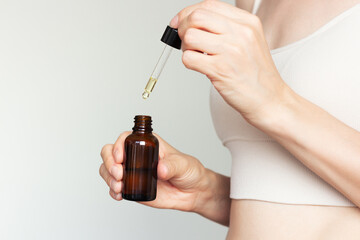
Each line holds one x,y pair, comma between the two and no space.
324,69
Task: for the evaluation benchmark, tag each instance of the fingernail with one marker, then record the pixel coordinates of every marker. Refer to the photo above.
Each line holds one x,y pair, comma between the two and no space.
174,22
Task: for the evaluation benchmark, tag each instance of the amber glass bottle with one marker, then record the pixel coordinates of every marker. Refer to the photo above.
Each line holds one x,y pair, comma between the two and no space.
140,162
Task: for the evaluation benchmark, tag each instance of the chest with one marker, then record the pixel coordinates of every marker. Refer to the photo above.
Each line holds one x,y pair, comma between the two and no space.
286,21
322,68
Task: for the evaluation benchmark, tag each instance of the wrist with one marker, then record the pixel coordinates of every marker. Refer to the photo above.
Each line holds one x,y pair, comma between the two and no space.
274,117
214,201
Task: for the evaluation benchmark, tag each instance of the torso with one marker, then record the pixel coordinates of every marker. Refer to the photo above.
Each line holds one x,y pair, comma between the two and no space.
285,22
250,219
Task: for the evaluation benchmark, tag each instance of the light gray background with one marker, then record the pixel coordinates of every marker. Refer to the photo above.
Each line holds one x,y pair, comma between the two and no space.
71,77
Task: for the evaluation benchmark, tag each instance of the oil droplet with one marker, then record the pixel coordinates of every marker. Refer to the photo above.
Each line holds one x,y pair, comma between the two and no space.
145,95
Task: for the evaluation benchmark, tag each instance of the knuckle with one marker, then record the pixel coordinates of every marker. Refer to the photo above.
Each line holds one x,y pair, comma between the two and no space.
182,13
234,49
122,137
181,32
248,33
101,170
124,134
104,175
186,59
196,16
111,193
114,195
189,36
117,188
104,150
256,21
108,180
210,4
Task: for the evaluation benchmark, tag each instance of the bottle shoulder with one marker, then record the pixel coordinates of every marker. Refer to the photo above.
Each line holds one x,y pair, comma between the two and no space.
138,137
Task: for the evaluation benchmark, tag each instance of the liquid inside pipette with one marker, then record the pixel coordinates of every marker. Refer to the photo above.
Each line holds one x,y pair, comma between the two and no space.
149,87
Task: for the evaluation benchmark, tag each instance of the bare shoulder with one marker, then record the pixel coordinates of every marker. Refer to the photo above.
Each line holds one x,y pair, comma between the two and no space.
245,4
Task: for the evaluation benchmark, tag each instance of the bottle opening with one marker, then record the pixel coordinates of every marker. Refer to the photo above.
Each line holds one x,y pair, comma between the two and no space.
142,123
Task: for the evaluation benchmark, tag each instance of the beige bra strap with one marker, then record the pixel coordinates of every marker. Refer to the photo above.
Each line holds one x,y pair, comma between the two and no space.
256,6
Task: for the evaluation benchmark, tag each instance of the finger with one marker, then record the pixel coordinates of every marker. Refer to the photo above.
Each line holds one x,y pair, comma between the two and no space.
114,185
116,196
204,42
218,7
205,20
164,147
198,62
174,167
114,169
105,174
118,150
162,171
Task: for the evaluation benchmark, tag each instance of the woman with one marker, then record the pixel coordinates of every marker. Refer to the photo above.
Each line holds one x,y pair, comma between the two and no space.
289,116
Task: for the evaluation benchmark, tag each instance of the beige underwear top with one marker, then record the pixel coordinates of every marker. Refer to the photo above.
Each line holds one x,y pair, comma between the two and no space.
324,68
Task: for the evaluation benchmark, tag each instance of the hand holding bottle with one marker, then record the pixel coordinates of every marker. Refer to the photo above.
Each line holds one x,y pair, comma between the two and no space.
183,182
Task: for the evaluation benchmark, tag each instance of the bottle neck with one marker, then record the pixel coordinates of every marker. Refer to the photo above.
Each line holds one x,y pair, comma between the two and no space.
142,124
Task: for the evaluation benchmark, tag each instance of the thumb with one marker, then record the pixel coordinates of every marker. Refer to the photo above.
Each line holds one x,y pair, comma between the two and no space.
172,168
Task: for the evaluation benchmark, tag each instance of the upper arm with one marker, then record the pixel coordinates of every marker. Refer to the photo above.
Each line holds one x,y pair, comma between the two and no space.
245,4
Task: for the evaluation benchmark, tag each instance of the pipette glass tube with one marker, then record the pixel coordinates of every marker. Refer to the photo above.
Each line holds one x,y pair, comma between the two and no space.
157,71
172,40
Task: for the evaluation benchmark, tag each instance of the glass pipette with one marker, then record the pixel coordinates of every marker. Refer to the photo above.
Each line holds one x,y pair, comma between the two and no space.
172,40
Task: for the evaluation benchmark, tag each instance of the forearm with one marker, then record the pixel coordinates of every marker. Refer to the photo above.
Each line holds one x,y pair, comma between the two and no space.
214,203
321,142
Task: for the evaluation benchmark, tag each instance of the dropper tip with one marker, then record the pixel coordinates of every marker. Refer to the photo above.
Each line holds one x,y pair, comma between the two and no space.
145,95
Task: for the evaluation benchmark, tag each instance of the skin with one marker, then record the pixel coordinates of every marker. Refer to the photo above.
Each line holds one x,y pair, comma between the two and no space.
183,182
239,65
